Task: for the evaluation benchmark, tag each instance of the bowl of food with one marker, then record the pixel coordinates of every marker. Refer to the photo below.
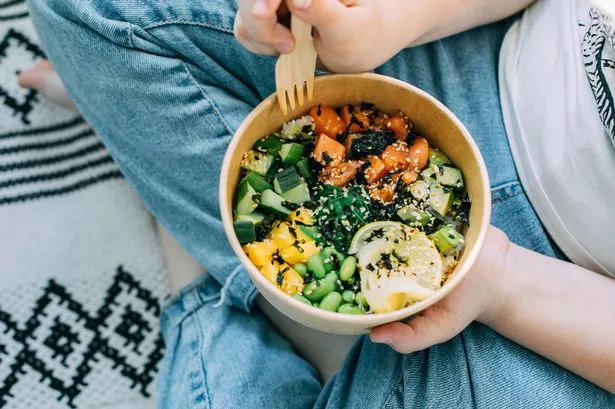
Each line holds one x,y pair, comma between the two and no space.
363,208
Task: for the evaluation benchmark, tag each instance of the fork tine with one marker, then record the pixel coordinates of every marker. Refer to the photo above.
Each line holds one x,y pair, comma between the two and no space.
300,91
290,90
295,71
280,78
310,88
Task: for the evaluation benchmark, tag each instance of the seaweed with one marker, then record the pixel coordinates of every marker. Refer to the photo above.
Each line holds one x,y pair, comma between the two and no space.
372,142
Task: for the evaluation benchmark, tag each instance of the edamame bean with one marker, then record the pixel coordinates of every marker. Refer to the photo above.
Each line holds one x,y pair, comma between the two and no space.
301,269
326,253
361,300
348,296
316,266
349,266
331,257
331,302
302,299
338,256
350,309
318,289
334,279
328,260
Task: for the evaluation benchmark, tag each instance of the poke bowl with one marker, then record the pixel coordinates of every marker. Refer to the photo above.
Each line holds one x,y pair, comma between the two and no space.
364,207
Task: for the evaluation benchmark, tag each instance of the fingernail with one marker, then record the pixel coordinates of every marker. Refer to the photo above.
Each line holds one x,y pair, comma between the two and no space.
260,7
302,4
284,48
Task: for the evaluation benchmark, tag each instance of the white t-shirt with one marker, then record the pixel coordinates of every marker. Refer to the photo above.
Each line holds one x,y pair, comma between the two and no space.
557,70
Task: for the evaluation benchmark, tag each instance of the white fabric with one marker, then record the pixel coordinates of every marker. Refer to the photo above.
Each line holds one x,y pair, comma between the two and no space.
556,74
81,269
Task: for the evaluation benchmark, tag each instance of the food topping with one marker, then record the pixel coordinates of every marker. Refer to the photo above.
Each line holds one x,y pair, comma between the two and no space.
350,210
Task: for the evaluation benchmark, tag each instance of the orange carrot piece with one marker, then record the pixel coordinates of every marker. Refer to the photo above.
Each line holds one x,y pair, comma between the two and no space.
418,153
409,176
339,175
384,191
376,170
328,151
361,118
396,156
398,124
327,121
348,141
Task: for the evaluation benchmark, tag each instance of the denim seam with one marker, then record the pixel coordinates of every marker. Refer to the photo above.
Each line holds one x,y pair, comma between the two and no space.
249,297
129,36
171,299
187,22
206,96
503,199
227,284
177,322
205,392
465,354
505,185
393,389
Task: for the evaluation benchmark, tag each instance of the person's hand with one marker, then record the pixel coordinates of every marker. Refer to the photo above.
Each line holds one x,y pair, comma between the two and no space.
479,296
350,35
258,27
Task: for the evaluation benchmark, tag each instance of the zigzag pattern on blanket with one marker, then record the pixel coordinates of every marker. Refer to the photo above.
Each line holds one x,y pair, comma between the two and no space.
76,330
53,160
78,340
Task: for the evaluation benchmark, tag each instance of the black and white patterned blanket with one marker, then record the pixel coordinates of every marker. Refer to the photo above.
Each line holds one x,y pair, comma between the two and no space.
81,271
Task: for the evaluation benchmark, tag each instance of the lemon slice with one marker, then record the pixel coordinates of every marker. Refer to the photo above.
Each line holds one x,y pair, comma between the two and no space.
386,230
396,274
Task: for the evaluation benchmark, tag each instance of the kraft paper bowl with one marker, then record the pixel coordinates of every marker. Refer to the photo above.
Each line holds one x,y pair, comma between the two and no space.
430,117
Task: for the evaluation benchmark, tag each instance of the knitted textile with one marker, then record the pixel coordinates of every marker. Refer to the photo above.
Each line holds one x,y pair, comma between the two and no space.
81,269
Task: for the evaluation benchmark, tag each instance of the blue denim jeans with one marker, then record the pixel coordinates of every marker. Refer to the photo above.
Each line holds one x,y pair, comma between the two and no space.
165,85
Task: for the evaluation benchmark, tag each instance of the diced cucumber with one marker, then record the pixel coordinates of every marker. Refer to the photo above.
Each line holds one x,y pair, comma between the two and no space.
273,203
419,190
413,216
429,173
447,238
291,153
299,194
439,199
258,182
286,179
303,166
270,144
246,199
276,166
255,218
245,231
438,158
449,176
257,162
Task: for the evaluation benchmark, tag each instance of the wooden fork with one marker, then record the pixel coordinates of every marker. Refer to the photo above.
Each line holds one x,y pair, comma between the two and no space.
294,72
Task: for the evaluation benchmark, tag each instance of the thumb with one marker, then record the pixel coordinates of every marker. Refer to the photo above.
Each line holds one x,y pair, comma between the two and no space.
318,12
434,326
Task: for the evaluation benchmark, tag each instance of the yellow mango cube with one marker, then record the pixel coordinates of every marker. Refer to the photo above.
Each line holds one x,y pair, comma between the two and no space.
270,271
300,252
293,282
302,215
260,252
282,235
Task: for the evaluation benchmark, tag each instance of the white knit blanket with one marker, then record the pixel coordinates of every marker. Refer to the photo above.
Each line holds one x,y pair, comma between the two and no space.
81,271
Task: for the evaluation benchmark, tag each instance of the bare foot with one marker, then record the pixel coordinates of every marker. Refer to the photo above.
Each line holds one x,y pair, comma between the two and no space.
43,78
